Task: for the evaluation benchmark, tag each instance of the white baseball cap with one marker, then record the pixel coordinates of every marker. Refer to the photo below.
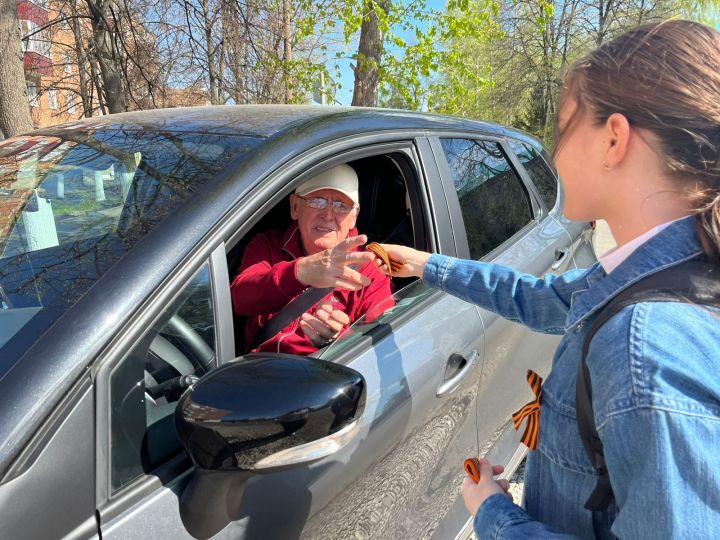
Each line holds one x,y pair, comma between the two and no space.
342,178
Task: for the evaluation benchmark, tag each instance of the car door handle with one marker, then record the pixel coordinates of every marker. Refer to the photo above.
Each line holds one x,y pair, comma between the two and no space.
449,385
560,256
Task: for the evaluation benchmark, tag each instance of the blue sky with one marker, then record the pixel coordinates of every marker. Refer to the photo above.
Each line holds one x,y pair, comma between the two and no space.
347,79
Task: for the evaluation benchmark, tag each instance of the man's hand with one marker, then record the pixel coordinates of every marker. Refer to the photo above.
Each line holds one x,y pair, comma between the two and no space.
331,268
325,325
475,494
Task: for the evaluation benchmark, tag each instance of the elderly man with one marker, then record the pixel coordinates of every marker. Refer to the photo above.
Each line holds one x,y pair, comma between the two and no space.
320,249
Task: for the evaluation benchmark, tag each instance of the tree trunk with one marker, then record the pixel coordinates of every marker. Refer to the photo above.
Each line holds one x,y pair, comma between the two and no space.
107,56
287,52
14,107
82,63
97,84
367,68
210,52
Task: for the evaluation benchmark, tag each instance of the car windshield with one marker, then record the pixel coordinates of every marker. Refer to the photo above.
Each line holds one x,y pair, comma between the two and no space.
72,204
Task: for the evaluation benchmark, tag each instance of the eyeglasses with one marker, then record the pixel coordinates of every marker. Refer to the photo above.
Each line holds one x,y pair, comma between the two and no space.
320,203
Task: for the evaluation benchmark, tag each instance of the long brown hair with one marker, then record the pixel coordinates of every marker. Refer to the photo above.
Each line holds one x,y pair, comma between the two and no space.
664,78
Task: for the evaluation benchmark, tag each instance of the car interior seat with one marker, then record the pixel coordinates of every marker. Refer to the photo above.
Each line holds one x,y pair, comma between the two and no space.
384,212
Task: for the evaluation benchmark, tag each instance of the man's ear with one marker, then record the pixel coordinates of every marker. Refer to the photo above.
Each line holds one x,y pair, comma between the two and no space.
356,212
293,206
617,130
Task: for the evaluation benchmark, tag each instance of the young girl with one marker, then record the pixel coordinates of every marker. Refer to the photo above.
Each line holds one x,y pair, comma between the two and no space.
638,146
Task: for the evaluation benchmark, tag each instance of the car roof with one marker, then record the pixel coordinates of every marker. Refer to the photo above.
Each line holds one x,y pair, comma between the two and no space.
270,120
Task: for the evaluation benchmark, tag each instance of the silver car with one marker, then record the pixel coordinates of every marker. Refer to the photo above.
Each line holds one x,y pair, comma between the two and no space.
130,407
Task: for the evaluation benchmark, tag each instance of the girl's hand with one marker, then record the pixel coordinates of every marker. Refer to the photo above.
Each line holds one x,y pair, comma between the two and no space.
413,261
475,494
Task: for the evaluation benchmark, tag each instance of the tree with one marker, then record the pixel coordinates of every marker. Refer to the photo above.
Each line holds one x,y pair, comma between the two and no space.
370,51
108,55
519,63
14,107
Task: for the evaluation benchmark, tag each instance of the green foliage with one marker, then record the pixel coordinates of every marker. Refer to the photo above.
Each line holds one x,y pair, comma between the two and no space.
504,61
498,60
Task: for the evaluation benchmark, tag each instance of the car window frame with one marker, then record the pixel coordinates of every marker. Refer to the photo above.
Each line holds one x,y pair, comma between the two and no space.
537,208
430,196
110,503
525,175
286,181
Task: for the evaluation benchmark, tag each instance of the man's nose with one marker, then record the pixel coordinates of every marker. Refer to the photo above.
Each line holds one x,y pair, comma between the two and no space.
327,213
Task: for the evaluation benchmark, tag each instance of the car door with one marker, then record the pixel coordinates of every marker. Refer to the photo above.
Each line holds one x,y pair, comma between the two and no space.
504,222
420,356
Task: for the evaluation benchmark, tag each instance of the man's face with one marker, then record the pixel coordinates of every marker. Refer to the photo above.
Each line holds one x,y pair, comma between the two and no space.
322,229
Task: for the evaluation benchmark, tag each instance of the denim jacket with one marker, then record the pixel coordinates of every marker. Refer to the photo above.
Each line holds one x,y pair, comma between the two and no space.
655,371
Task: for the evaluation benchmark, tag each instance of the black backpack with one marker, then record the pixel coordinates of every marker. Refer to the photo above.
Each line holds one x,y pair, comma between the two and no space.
696,281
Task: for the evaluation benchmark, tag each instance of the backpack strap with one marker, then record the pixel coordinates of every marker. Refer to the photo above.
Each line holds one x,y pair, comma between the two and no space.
696,281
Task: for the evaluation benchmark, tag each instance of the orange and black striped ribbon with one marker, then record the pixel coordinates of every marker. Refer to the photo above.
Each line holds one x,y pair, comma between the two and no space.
472,469
531,411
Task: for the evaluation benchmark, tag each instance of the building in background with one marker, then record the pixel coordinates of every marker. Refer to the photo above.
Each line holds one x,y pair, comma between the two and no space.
62,75
51,73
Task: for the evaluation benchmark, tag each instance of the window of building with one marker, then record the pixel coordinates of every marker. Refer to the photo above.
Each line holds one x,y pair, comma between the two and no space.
33,40
71,103
32,93
494,202
64,25
52,98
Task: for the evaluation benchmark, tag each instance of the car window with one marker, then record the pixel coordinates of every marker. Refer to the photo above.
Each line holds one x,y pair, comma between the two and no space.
494,202
539,171
379,315
148,382
73,204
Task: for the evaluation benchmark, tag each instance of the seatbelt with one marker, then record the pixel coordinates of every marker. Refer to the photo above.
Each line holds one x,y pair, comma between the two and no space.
695,282
299,305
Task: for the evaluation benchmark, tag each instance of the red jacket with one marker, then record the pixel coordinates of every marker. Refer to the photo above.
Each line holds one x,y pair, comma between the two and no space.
267,282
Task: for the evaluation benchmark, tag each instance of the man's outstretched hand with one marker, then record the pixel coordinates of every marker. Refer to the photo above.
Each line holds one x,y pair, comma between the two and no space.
331,267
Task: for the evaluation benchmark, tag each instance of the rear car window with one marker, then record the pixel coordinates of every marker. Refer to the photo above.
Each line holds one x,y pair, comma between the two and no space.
540,172
494,202
72,204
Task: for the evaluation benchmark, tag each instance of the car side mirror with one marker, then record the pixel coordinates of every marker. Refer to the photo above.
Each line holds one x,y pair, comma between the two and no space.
267,411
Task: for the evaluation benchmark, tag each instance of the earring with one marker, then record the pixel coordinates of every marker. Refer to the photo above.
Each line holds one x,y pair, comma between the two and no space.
606,167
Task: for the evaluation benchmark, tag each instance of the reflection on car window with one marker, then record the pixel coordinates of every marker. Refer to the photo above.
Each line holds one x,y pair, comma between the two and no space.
381,314
494,202
541,175
147,383
74,203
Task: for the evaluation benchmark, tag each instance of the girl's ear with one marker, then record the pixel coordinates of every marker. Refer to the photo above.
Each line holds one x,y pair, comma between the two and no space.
617,130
